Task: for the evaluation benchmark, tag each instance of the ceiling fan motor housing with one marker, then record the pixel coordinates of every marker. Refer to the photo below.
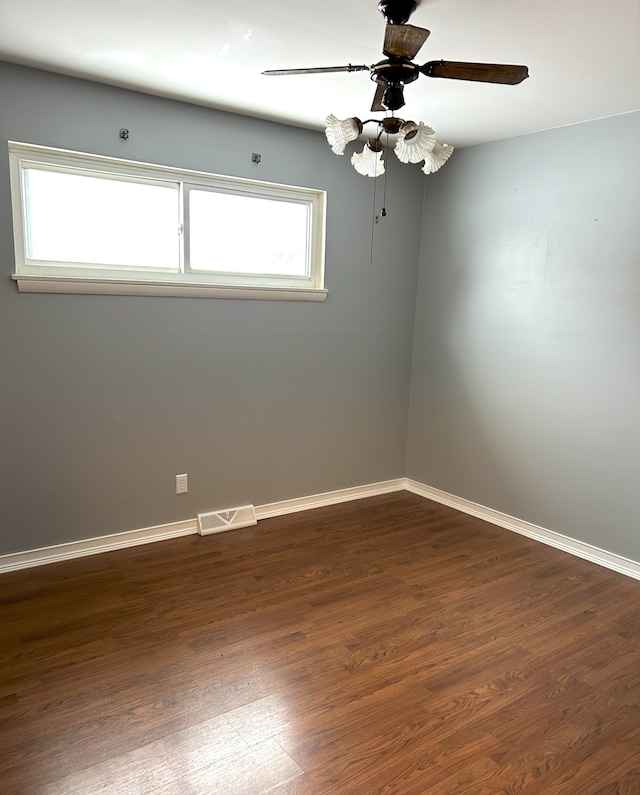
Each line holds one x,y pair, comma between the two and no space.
394,74
394,71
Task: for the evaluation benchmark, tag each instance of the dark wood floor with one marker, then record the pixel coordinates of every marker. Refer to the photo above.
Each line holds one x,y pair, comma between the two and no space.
389,645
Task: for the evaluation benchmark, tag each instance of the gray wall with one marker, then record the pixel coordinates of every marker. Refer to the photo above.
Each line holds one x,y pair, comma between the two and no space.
526,366
525,391
105,399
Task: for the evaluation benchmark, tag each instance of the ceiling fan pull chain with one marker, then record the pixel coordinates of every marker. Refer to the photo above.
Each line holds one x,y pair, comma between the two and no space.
374,221
384,194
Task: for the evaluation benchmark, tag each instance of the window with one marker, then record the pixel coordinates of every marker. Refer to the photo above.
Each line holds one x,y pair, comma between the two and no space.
92,224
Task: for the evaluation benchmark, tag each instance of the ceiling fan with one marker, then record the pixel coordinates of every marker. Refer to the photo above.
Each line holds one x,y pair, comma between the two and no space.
402,42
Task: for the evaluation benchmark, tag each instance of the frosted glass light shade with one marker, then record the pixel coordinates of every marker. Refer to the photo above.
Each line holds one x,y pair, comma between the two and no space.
368,162
340,132
437,157
414,143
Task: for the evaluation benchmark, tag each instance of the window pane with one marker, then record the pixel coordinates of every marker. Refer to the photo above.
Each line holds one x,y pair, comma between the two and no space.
247,234
75,218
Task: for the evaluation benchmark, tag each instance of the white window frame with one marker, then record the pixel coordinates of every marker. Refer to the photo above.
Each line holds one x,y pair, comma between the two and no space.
59,277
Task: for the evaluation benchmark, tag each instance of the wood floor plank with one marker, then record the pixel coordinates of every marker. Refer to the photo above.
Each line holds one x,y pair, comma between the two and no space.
387,645
256,769
158,764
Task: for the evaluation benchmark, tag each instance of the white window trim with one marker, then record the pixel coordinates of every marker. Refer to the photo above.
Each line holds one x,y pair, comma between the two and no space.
62,278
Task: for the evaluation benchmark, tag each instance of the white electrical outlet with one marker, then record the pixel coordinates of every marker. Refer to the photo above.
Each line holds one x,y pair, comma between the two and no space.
182,484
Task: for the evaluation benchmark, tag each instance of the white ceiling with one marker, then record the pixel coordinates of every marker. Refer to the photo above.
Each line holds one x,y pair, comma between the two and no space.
583,56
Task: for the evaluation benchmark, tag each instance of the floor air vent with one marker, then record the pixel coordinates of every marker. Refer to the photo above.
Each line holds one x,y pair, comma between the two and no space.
229,519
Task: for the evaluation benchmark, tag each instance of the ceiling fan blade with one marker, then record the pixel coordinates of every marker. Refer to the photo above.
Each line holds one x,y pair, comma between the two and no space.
404,40
318,70
508,74
377,100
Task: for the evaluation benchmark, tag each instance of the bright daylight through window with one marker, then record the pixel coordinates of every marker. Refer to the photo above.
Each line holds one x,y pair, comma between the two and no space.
91,224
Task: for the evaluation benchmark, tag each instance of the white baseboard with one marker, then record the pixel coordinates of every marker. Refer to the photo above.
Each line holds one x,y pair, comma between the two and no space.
609,560
93,546
329,498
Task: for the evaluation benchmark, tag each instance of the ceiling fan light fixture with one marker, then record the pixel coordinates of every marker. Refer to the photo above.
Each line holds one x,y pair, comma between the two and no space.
415,142
340,132
369,161
437,157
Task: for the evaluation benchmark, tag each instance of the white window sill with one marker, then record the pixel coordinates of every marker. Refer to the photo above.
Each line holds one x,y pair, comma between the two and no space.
100,286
